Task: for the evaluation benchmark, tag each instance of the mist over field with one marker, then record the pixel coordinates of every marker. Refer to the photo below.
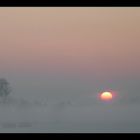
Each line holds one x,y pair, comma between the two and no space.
80,114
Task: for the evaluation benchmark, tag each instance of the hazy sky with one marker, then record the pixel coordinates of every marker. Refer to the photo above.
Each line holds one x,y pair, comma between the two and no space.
71,50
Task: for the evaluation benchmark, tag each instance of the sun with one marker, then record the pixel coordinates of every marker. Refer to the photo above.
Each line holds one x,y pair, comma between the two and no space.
106,96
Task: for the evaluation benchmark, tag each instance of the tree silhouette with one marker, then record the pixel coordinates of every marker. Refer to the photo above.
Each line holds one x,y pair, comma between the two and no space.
4,89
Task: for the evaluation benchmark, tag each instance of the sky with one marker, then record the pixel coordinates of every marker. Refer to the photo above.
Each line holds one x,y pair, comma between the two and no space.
58,45
94,42
71,52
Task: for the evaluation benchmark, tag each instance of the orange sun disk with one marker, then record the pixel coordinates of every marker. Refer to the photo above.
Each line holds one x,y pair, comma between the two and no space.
106,96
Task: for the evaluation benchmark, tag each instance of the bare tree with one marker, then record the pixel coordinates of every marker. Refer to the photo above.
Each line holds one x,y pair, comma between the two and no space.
5,89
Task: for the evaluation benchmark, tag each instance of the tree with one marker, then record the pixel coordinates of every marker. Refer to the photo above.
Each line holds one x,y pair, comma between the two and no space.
5,89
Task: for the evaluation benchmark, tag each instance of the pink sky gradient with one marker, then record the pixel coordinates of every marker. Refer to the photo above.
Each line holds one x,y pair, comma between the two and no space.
88,41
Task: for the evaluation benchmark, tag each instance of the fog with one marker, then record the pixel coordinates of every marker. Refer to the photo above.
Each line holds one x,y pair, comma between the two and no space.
81,112
59,59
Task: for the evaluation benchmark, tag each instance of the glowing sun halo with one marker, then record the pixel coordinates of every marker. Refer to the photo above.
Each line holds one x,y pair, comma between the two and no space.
106,96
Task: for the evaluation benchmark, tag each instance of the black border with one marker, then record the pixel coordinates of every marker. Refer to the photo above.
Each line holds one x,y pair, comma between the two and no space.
69,3
71,136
